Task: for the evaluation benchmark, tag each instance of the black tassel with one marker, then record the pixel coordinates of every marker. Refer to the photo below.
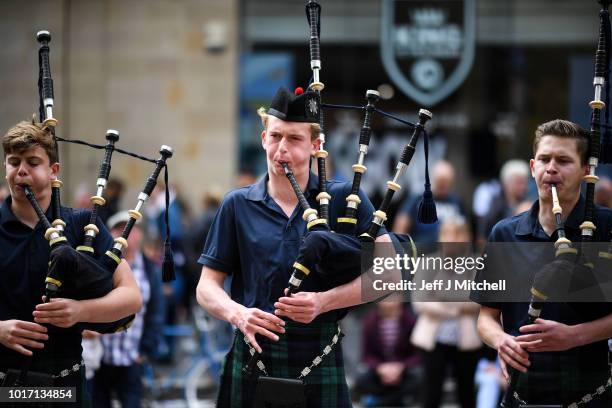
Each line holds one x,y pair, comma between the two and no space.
427,207
168,264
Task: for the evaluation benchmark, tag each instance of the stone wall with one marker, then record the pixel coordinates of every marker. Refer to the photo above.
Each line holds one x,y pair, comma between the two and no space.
140,67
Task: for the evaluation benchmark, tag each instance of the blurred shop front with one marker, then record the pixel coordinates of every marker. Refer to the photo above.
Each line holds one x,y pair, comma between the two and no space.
524,62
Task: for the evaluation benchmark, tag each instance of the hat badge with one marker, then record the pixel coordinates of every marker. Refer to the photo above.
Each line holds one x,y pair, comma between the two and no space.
313,107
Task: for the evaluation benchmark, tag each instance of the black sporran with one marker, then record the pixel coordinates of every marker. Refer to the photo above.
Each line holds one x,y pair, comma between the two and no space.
32,379
275,392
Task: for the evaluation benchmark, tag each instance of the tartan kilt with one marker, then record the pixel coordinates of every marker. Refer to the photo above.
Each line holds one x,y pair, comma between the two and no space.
565,382
297,347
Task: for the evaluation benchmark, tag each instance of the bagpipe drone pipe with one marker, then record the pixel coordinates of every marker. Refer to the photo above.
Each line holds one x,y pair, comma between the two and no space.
600,153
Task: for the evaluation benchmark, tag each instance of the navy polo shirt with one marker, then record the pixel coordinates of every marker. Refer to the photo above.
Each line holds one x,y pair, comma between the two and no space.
253,240
588,361
525,228
24,256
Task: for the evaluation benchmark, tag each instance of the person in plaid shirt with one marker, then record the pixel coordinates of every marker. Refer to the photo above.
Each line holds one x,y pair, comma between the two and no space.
124,352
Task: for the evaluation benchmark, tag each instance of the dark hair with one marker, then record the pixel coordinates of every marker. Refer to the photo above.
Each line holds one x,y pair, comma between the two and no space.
565,129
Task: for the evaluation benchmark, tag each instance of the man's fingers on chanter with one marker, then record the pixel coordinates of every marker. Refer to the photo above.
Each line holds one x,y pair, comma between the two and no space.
515,361
31,335
518,366
267,333
299,315
31,326
508,359
508,356
32,344
51,313
518,350
20,349
527,337
269,316
530,344
520,358
287,308
54,321
51,305
276,327
270,325
296,300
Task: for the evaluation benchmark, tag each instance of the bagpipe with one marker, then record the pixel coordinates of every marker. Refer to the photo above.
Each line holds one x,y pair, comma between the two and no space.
549,284
575,273
80,273
336,256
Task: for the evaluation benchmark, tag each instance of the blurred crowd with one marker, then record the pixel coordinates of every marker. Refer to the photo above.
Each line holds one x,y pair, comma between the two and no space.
398,344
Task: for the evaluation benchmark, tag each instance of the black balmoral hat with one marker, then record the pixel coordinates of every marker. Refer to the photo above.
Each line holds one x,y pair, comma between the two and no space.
297,107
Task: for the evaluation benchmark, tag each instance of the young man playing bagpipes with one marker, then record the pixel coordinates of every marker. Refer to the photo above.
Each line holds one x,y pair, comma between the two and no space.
255,239
31,328
562,356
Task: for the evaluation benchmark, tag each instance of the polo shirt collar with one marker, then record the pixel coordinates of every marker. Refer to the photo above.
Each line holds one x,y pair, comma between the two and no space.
7,215
259,190
529,224
576,216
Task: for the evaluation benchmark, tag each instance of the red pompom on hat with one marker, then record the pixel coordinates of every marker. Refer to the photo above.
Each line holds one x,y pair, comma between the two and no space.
299,90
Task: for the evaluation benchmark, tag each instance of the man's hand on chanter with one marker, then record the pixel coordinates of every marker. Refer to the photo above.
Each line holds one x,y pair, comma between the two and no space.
252,321
19,334
301,307
511,352
548,335
59,312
